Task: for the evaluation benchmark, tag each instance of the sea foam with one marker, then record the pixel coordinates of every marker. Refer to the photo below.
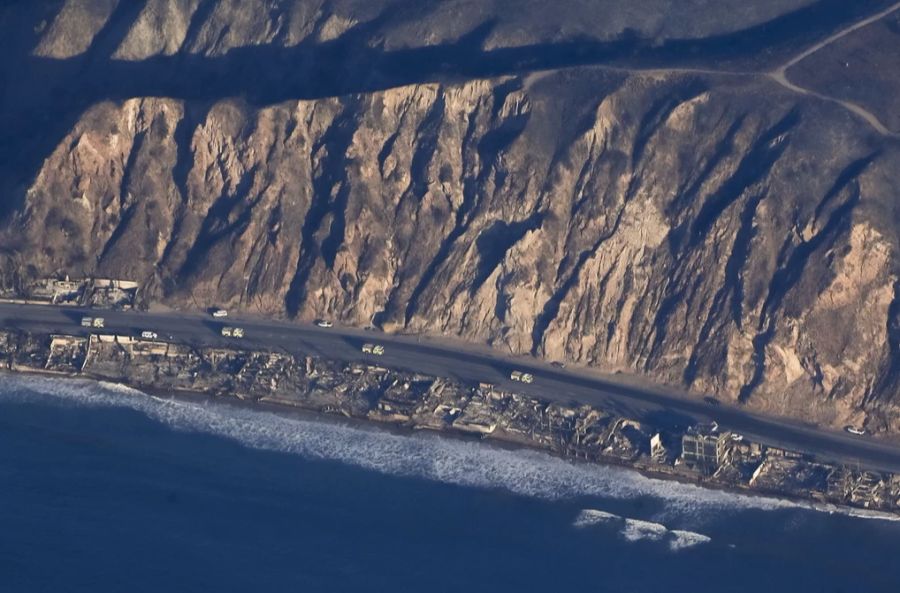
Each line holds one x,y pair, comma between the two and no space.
591,517
686,539
428,456
634,530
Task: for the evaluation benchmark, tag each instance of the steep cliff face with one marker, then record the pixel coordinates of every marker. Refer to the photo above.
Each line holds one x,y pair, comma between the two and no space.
713,231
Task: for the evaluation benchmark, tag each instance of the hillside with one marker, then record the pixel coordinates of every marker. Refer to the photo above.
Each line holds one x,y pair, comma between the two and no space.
637,190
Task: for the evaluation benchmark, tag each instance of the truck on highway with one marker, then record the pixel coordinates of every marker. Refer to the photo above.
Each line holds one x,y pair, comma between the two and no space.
376,349
233,332
522,377
92,322
148,335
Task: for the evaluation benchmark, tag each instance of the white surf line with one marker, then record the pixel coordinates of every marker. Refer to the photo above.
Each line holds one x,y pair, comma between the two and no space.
524,472
779,75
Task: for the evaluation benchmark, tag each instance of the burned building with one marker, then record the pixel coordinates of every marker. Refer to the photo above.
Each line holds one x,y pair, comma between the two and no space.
702,447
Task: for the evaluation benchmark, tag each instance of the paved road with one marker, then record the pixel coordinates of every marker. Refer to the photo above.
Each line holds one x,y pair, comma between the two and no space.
470,364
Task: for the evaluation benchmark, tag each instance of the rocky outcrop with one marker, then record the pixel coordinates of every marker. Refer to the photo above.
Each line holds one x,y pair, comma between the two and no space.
712,231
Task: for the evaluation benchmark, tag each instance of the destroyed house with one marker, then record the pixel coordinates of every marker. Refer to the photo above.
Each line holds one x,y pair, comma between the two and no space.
701,449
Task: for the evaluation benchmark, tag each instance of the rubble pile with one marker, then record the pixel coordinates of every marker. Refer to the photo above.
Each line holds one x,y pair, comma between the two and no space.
86,292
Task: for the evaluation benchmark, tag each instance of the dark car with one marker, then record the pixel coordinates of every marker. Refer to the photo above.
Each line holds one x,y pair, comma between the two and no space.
712,401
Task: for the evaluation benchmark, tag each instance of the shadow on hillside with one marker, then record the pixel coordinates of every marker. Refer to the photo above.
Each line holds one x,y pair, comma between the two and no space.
50,94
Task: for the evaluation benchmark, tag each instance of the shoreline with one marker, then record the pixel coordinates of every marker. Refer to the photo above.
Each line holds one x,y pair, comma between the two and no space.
286,410
407,401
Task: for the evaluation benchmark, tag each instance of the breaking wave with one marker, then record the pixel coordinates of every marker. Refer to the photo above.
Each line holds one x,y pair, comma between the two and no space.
636,530
686,539
590,517
429,456
832,509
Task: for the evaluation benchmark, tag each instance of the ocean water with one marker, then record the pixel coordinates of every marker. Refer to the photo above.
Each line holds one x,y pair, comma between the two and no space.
106,489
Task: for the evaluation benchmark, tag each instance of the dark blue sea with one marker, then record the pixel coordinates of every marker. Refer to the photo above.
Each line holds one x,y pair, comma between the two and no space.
106,489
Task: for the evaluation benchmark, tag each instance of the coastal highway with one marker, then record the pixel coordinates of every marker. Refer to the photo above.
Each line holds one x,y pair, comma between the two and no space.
467,363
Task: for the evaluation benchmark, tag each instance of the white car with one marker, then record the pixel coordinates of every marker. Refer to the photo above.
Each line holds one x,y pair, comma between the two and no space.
87,322
324,323
148,335
233,332
376,349
220,313
854,430
522,377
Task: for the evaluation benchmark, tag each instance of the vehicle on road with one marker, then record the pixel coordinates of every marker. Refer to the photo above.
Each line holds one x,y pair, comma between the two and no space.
233,332
822,442
219,313
558,364
376,349
704,427
856,431
712,401
324,323
93,322
522,377
148,335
